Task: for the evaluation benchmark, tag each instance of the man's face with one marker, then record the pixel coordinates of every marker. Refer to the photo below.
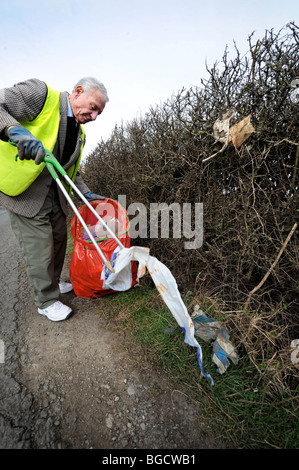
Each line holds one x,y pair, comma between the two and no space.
86,106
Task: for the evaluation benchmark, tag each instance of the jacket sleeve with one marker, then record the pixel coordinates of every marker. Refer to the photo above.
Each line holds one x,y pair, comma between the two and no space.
23,101
80,184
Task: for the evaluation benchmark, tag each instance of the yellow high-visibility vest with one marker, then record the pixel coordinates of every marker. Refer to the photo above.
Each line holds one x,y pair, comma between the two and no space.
17,175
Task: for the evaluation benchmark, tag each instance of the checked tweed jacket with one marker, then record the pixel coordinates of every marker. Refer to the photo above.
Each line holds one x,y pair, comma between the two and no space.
24,101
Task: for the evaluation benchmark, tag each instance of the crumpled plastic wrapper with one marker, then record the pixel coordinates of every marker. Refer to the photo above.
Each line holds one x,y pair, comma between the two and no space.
211,330
221,127
235,135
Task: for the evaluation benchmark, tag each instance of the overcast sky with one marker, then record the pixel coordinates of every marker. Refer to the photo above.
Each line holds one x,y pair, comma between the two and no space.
142,51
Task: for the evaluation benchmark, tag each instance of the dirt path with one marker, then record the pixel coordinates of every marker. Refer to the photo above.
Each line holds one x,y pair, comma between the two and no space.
72,384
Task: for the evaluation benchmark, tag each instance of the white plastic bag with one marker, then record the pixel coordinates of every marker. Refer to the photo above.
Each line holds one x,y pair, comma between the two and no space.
120,280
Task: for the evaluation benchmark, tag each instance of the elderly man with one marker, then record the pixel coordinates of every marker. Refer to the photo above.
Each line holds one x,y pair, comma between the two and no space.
35,117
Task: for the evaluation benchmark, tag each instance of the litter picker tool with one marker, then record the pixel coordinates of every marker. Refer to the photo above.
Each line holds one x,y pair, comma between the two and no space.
52,164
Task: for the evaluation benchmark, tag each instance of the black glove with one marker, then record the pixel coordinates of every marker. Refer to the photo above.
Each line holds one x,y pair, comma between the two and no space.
90,196
29,147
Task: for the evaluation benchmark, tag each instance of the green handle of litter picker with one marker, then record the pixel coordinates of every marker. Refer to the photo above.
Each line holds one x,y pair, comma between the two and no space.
50,161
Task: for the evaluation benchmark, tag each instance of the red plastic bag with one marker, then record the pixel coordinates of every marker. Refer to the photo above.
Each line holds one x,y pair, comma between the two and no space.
86,264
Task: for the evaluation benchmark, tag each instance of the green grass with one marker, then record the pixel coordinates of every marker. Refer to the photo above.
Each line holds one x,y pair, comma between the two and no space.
248,414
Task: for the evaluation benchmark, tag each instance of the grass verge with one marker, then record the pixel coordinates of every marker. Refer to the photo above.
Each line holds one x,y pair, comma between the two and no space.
240,405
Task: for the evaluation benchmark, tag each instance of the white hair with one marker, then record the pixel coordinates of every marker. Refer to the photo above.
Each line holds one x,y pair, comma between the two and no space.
90,84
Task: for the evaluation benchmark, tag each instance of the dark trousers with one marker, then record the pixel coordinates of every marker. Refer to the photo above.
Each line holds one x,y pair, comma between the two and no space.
43,240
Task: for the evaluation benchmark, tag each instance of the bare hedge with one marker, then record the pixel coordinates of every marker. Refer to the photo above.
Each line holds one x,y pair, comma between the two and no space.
249,193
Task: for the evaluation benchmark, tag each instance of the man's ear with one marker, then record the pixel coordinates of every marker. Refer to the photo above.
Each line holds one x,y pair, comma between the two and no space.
78,90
